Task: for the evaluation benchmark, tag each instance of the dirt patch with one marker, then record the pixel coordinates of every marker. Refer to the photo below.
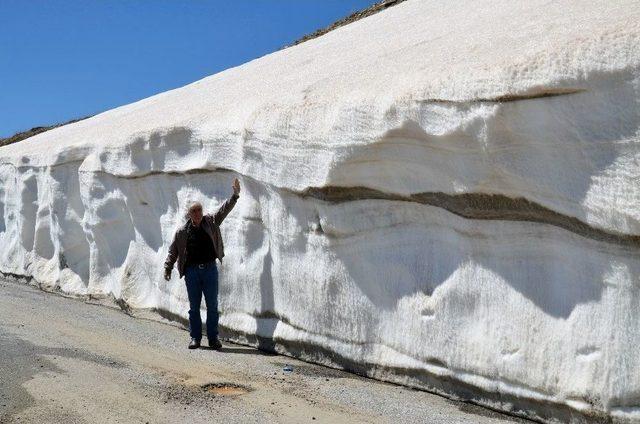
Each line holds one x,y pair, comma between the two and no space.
226,389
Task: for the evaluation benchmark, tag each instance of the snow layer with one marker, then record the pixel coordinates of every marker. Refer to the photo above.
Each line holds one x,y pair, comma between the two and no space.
444,194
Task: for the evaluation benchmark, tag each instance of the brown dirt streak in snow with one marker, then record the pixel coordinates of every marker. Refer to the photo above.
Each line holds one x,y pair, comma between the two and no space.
481,206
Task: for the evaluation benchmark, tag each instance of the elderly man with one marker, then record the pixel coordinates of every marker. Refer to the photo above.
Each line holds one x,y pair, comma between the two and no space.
195,246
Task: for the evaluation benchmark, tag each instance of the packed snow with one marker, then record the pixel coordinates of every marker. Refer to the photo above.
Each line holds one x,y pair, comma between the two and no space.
444,195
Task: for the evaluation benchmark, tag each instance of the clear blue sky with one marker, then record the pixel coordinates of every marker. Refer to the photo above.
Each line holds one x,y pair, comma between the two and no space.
64,59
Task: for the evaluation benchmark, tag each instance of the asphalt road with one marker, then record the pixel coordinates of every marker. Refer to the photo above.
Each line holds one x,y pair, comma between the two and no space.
64,360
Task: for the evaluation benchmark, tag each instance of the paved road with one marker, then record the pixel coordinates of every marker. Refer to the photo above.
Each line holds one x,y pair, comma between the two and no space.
66,361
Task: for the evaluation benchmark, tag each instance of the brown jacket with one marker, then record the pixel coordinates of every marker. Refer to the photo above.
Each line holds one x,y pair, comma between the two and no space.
211,225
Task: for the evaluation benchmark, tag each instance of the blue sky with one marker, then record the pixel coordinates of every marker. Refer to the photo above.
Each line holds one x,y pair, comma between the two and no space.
64,59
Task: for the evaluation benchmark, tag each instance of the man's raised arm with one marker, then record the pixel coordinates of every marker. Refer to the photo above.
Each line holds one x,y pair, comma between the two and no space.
226,207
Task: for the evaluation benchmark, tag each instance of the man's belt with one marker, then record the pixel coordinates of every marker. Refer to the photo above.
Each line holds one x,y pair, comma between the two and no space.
204,265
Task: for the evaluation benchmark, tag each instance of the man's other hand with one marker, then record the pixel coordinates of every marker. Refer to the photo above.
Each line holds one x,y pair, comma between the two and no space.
236,186
167,274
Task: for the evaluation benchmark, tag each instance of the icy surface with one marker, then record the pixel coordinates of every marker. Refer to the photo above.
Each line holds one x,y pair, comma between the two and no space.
365,228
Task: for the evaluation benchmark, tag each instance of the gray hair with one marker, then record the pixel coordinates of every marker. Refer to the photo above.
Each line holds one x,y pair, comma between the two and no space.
191,205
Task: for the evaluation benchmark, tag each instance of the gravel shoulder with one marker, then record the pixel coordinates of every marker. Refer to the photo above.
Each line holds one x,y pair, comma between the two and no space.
67,361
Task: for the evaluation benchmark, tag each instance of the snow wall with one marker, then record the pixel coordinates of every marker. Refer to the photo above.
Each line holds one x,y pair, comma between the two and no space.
444,195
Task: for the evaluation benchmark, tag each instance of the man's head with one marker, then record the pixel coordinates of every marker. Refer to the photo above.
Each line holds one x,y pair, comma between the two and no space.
195,213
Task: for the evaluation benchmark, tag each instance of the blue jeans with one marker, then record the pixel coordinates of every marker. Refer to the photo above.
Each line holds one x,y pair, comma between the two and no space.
202,280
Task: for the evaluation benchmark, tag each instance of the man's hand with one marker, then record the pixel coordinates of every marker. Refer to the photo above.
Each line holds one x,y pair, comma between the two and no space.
167,274
236,186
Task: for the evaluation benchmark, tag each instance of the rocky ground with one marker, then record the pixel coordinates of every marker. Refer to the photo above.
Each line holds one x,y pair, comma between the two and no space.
67,361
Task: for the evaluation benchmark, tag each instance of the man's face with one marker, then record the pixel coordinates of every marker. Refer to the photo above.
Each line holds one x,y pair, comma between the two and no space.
195,213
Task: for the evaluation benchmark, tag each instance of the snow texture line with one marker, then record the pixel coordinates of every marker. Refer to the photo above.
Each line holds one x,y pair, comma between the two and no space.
480,206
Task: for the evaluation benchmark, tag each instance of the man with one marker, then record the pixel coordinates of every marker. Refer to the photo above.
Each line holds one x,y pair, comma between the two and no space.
195,246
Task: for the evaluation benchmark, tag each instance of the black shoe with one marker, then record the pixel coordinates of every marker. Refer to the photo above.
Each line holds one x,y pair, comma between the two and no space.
195,343
215,344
